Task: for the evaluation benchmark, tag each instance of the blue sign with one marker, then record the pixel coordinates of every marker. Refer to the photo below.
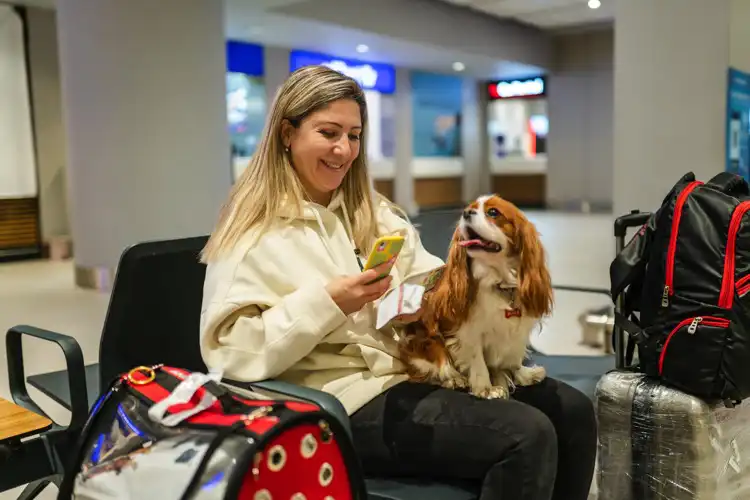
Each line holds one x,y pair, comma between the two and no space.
244,58
738,123
370,76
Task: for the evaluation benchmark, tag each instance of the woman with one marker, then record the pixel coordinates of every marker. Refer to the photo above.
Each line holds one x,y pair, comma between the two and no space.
285,297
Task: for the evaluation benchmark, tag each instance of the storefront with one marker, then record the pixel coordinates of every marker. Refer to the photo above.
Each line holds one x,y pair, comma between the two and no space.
438,164
20,216
379,83
246,101
518,128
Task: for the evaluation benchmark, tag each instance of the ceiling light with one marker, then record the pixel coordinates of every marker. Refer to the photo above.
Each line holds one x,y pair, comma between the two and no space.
362,48
594,4
458,66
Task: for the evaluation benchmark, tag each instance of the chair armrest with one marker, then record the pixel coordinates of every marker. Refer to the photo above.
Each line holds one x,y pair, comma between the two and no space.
326,401
75,368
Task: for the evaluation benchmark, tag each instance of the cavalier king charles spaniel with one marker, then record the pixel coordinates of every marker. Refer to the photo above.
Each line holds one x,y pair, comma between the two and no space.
477,320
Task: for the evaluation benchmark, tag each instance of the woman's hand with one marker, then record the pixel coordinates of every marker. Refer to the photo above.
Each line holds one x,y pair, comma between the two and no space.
351,293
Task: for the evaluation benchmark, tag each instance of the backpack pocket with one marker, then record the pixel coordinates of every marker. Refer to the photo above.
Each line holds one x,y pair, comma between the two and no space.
691,354
728,284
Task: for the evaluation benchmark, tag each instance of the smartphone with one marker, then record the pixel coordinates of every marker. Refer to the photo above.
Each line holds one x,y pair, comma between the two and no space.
384,249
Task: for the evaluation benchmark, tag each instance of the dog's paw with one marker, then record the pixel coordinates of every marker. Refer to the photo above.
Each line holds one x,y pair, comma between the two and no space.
529,375
450,378
491,392
455,383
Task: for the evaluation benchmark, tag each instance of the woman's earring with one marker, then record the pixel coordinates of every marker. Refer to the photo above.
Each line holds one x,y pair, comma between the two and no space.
286,149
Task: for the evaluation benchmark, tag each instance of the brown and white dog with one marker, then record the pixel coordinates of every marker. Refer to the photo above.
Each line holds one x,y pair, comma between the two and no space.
477,320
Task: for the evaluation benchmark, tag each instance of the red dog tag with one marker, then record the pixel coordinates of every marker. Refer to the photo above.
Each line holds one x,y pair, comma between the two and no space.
509,313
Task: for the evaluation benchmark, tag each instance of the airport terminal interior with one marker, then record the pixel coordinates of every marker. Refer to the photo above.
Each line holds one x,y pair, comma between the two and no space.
128,121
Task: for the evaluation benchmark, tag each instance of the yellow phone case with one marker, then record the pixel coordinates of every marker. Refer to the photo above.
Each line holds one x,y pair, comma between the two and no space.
385,248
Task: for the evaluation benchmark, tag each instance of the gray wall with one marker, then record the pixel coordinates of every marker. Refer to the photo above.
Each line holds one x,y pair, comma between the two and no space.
148,146
581,120
48,122
670,96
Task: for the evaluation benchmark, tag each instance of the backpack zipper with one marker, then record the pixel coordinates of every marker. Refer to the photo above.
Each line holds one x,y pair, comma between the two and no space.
693,322
672,249
726,298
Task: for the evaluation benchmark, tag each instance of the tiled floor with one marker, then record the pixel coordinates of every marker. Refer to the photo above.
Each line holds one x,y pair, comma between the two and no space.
42,294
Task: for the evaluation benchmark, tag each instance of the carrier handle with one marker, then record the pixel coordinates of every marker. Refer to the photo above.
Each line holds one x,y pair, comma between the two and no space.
635,218
182,394
729,183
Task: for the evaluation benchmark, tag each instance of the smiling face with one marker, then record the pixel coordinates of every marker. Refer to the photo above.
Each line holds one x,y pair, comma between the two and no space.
323,146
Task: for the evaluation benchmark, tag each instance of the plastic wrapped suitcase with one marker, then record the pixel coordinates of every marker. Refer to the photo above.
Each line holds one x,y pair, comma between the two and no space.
656,442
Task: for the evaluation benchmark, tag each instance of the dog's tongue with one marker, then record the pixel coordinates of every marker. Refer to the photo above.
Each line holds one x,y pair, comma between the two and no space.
471,243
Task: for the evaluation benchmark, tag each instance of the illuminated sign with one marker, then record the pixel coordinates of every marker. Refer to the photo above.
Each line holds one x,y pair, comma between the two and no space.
370,76
511,89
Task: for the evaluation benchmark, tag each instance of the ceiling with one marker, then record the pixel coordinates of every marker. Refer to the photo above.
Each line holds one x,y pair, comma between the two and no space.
269,22
260,22
545,14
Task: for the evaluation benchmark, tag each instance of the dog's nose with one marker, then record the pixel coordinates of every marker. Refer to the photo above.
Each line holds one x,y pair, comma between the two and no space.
468,213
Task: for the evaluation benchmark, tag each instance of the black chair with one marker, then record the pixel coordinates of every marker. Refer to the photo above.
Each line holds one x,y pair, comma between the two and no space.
153,317
37,459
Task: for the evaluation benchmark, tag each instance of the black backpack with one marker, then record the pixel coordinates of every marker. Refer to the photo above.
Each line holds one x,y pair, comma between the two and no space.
685,280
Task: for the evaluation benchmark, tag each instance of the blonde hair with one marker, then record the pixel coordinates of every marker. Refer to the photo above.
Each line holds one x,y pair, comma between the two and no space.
257,196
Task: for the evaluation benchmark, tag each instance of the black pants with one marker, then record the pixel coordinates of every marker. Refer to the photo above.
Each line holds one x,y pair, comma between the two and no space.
539,445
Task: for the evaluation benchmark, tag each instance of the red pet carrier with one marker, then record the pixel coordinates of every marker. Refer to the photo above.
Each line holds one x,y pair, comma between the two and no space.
166,433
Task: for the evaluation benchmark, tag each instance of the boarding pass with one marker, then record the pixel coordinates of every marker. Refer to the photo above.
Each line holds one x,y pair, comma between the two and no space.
404,299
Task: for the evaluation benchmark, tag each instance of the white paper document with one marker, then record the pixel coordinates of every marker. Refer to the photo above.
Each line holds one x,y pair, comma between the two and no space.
404,299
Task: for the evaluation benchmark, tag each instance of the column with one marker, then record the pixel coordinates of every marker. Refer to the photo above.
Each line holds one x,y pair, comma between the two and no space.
143,86
276,70
670,77
474,141
739,37
403,181
48,118
374,129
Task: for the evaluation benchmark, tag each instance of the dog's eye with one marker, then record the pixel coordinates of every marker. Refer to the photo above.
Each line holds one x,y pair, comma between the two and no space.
493,212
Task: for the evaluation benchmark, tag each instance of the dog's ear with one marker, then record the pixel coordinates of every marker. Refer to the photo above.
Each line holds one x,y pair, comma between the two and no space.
452,296
534,282
457,269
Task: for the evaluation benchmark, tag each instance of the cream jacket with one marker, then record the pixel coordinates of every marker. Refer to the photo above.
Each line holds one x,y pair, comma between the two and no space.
266,313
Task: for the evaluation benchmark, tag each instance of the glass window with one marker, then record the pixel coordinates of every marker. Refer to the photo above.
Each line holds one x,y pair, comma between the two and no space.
518,128
246,115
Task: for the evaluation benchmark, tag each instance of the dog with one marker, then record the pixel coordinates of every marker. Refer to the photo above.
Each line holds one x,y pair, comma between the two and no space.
477,319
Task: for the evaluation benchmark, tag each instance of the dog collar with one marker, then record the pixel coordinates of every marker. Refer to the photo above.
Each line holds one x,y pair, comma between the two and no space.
512,311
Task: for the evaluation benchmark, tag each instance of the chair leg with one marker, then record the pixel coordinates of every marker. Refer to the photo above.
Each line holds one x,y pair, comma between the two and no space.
32,490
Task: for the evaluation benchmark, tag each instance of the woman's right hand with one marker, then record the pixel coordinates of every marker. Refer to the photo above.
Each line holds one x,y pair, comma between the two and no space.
351,293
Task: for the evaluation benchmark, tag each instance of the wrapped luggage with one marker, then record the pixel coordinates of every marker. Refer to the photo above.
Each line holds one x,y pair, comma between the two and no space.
657,442
676,437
